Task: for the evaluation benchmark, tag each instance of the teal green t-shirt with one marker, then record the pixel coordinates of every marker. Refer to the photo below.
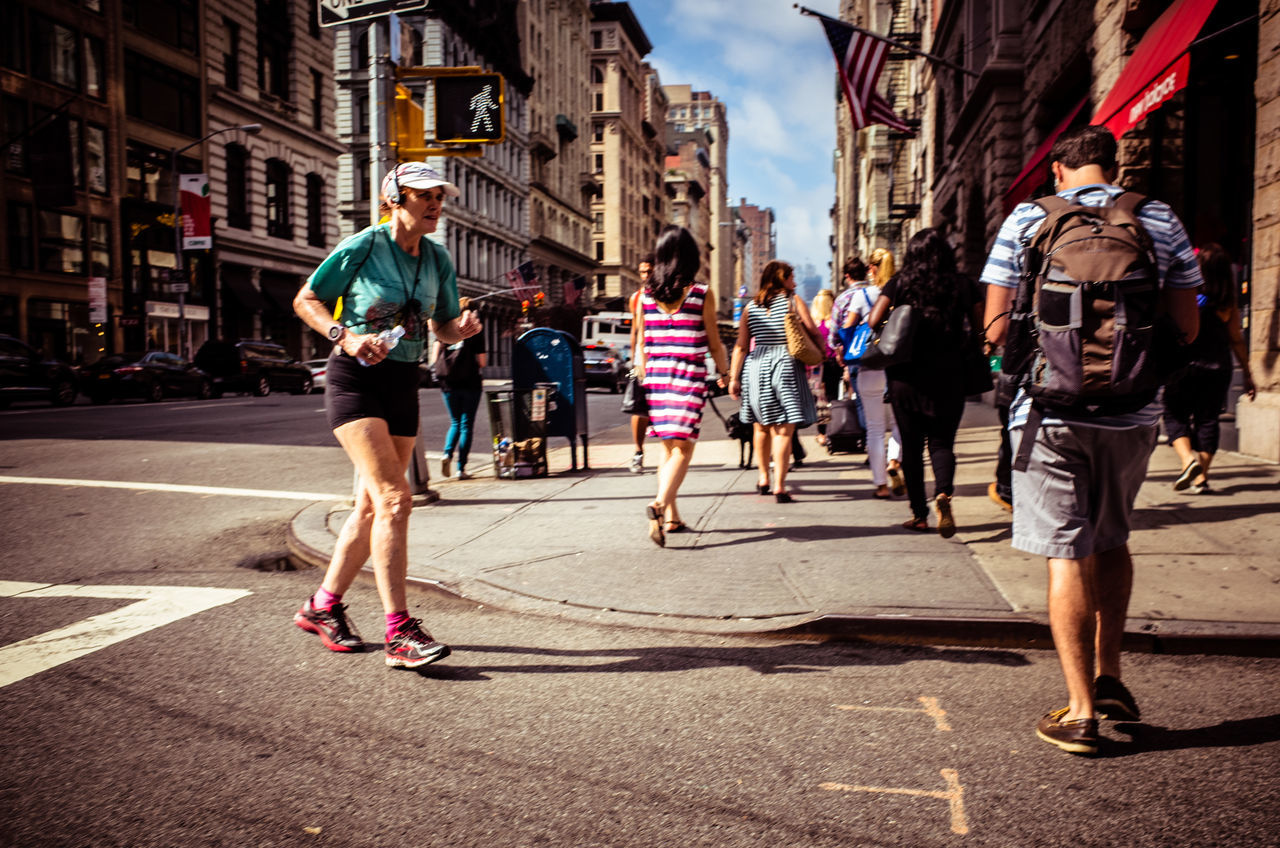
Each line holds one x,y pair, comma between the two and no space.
375,279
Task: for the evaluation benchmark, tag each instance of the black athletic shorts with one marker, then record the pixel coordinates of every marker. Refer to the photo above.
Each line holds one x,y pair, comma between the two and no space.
388,390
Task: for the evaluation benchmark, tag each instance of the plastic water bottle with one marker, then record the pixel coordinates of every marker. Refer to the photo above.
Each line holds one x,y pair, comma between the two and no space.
390,338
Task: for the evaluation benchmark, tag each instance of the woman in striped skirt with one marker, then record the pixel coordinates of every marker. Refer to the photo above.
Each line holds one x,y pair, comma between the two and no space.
678,326
771,382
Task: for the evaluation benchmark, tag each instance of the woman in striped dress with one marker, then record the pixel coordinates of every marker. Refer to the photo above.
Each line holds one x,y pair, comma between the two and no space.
678,326
770,381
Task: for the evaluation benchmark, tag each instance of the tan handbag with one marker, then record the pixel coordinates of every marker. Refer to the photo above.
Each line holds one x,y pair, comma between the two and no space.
799,343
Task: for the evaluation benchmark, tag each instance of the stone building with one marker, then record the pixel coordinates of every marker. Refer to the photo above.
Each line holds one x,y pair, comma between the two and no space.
556,49
761,224
626,148
687,178
700,110
126,85
486,230
1035,71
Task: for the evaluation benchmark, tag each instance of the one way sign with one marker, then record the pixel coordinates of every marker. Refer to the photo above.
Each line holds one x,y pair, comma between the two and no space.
334,12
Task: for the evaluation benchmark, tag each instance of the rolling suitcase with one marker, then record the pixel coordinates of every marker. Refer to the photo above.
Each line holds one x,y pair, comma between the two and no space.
844,433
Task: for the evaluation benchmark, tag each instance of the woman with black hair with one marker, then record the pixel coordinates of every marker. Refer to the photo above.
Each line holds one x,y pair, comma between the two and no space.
927,391
1196,396
677,323
776,399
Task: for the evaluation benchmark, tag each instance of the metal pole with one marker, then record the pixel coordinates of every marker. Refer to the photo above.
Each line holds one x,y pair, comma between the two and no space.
381,94
179,275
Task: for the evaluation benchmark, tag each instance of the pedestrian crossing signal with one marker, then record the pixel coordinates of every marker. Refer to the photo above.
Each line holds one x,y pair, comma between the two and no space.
470,109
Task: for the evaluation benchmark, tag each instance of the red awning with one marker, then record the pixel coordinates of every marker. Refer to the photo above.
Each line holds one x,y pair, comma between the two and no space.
1154,73
1157,69
1037,170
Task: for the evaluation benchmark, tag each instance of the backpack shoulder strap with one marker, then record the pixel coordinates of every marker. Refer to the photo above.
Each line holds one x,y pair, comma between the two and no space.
1130,202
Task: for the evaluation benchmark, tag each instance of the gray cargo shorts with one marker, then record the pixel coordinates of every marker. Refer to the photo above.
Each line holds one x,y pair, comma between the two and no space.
1077,494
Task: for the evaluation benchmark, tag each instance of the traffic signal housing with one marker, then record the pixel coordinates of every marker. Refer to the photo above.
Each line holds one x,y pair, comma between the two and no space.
470,109
409,125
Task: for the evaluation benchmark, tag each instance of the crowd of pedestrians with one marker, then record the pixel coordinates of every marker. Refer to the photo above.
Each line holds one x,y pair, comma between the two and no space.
1074,445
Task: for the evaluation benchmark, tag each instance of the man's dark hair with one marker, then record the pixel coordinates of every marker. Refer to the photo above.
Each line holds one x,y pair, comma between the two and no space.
855,268
1091,145
647,259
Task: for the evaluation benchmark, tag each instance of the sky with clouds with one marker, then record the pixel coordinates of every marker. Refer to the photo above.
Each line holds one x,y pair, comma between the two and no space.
772,68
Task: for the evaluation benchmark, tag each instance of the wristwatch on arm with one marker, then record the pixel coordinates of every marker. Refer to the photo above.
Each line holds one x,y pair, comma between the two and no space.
336,332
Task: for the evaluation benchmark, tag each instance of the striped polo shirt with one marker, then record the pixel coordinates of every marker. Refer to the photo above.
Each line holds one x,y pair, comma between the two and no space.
1176,268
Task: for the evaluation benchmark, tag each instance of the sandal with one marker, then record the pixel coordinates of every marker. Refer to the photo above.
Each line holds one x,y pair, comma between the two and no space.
655,525
676,526
920,525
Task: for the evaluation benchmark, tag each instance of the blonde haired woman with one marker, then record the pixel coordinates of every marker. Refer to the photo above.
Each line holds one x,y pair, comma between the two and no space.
771,383
881,266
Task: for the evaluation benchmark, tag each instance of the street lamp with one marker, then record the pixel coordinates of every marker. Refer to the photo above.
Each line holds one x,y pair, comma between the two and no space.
183,340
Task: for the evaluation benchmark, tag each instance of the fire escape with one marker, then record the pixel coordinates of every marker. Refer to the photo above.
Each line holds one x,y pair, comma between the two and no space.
904,183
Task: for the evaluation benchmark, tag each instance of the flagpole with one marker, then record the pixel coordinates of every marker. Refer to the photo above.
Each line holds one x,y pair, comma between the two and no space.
898,44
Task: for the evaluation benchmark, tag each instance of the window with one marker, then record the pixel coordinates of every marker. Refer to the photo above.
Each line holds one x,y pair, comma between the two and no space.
18,233
231,56
599,163
597,75
95,80
95,159
278,175
597,40
599,251
599,222
362,179
61,243
15,124
317,99
315,210
54,52
99,248
77,168
161,95
599,107
275,39
360,55
362,113
598,131
147,175
174,22
13,40
238,187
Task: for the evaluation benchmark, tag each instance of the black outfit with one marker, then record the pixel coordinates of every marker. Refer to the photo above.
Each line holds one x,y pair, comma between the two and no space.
927,392
387,390
1196,395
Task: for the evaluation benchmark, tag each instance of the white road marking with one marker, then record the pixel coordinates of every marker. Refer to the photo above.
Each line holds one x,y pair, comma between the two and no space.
156,607
174,487
953,795
931,709
179,404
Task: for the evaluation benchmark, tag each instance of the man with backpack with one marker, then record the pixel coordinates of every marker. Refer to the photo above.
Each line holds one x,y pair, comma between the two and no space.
1079,287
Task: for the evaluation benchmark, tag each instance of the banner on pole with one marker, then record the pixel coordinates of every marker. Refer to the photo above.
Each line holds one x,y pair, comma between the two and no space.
197,231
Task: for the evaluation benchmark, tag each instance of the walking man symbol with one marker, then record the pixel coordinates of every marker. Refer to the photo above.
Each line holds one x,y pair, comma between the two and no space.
482,105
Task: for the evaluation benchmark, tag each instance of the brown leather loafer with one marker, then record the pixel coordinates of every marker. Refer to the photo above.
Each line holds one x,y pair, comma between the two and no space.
1078,736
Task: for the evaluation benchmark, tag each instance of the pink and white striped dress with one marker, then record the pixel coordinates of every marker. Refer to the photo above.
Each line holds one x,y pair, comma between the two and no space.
675,374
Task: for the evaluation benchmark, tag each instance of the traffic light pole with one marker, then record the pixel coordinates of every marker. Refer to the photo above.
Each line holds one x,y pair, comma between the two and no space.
382,92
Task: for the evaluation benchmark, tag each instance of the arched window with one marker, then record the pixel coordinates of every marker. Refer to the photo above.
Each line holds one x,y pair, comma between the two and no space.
238,187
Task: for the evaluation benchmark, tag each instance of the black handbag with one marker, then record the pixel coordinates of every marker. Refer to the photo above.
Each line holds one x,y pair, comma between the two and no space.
633,399
891,341
976,376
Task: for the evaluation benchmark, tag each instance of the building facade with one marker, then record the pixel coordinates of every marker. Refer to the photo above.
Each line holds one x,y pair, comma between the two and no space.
561,184
688,179
1032,71
763,240
700,111
622,152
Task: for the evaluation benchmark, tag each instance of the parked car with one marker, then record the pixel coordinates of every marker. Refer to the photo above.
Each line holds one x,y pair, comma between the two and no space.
252,366
26,374
150,375
318,368
605,365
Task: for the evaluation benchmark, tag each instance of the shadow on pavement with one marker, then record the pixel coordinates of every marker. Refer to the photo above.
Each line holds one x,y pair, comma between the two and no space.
1146,738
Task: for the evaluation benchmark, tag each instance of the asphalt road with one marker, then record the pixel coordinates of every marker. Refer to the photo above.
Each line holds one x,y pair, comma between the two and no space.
229,726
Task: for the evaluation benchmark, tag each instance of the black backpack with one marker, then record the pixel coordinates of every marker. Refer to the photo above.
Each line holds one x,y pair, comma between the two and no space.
1082,332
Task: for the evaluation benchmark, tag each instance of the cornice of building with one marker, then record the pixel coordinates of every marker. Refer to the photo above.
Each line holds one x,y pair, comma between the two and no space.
274,124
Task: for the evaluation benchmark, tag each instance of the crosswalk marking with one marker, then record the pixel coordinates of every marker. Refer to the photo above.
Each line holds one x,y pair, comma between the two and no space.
273,494
156,606
953,795
931,709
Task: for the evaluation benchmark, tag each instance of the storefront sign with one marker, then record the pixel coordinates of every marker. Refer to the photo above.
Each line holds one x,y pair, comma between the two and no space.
197,232
97,300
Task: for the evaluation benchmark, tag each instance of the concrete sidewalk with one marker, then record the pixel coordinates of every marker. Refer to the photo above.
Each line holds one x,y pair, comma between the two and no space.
836,561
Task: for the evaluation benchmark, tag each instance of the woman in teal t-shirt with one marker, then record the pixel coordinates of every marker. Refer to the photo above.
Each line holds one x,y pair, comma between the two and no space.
389,276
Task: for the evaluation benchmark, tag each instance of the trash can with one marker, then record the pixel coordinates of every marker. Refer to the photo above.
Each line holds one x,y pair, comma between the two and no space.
553,359
518,424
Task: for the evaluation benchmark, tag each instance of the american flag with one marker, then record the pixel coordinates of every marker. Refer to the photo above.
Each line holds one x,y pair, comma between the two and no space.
523,280
860,58
574,289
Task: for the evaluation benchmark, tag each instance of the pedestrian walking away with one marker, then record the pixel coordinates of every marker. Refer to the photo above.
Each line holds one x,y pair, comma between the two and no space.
639,419
1196,395
770,382
393,282
460,369
678,329
927,390
1074,495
